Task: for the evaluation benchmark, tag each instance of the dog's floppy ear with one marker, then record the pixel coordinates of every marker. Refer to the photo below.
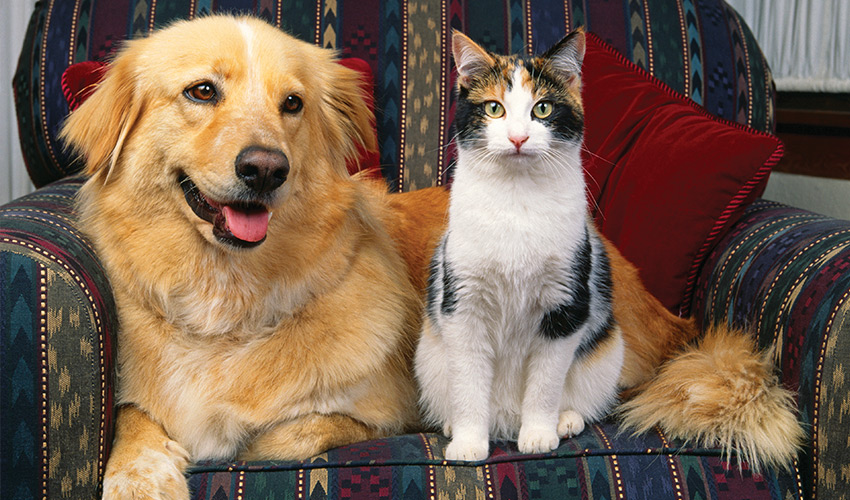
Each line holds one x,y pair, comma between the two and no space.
348,98
98,128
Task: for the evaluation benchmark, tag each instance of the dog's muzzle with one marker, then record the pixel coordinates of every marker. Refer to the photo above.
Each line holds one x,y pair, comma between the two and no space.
241,223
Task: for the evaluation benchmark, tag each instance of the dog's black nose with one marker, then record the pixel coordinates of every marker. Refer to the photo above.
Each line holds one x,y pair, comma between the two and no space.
263,170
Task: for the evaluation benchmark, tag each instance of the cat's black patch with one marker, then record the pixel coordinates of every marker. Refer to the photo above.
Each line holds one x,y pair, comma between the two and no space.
595,337
469,117
442,286
569,316
567,118
602,276
434,283
568,122
449,304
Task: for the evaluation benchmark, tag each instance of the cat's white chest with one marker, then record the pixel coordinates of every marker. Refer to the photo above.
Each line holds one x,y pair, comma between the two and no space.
516,228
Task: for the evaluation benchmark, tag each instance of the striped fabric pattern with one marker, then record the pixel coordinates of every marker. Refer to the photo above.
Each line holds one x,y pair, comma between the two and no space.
405,44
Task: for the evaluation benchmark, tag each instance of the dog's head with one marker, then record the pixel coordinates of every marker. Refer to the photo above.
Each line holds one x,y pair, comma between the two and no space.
225,119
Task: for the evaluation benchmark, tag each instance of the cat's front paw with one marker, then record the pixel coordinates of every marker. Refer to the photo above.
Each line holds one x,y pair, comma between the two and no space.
537,439
570,424
152,475
468,449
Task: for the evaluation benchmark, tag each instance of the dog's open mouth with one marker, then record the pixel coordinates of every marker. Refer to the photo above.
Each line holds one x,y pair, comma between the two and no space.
239,224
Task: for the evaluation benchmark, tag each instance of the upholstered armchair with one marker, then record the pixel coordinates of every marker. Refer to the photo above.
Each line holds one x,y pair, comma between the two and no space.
679,147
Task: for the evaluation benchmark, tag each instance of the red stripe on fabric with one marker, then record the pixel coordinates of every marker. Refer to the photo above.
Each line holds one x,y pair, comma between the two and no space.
360,33
599,16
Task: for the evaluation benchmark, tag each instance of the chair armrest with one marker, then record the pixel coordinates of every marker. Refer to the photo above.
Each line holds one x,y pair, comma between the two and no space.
57,324
784,274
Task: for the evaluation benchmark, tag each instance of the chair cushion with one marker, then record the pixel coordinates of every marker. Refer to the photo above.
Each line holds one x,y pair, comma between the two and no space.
57,409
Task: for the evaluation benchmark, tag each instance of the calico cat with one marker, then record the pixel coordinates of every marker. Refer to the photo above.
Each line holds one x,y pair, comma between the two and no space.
519,340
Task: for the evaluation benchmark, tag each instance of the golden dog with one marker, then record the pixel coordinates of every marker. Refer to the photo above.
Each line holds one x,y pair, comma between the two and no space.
264,309
269,303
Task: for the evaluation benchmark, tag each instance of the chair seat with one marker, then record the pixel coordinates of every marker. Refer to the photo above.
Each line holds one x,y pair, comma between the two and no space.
596,464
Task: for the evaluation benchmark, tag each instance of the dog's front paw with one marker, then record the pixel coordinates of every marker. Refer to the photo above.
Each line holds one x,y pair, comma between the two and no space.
537,439
467,449
151,475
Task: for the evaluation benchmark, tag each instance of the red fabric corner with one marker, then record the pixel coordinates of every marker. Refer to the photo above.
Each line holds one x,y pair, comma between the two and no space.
80,79
667,177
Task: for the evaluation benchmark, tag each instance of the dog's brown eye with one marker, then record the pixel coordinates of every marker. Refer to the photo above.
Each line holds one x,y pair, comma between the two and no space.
203,92
292,104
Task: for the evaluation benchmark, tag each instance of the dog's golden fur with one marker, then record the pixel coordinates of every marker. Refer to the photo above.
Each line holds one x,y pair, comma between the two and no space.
279,351
303,342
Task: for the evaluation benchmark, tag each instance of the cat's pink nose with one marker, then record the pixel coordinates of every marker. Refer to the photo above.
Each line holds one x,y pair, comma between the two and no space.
518,141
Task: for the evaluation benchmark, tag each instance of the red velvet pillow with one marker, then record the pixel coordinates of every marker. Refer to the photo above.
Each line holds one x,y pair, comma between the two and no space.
79,81
668,178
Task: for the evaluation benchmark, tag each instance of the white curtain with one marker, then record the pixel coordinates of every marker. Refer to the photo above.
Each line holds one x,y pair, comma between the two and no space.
14,16
806,42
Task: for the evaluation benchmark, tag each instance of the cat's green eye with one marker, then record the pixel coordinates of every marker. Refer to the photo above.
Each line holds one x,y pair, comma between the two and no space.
542,109
493,109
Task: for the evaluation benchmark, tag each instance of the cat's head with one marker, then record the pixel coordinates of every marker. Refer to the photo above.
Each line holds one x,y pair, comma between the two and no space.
519,109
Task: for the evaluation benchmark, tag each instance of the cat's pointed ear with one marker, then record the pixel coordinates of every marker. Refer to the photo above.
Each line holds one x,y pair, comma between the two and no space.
470,58
567,55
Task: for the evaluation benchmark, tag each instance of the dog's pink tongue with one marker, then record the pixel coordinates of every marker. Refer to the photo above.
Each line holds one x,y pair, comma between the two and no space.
246,225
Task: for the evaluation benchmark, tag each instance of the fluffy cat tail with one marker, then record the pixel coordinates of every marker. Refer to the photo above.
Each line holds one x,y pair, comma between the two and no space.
721,389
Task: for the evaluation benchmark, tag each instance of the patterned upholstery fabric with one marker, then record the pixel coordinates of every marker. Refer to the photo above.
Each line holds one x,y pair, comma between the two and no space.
56,330
406,45
596,465
783,273
780,270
